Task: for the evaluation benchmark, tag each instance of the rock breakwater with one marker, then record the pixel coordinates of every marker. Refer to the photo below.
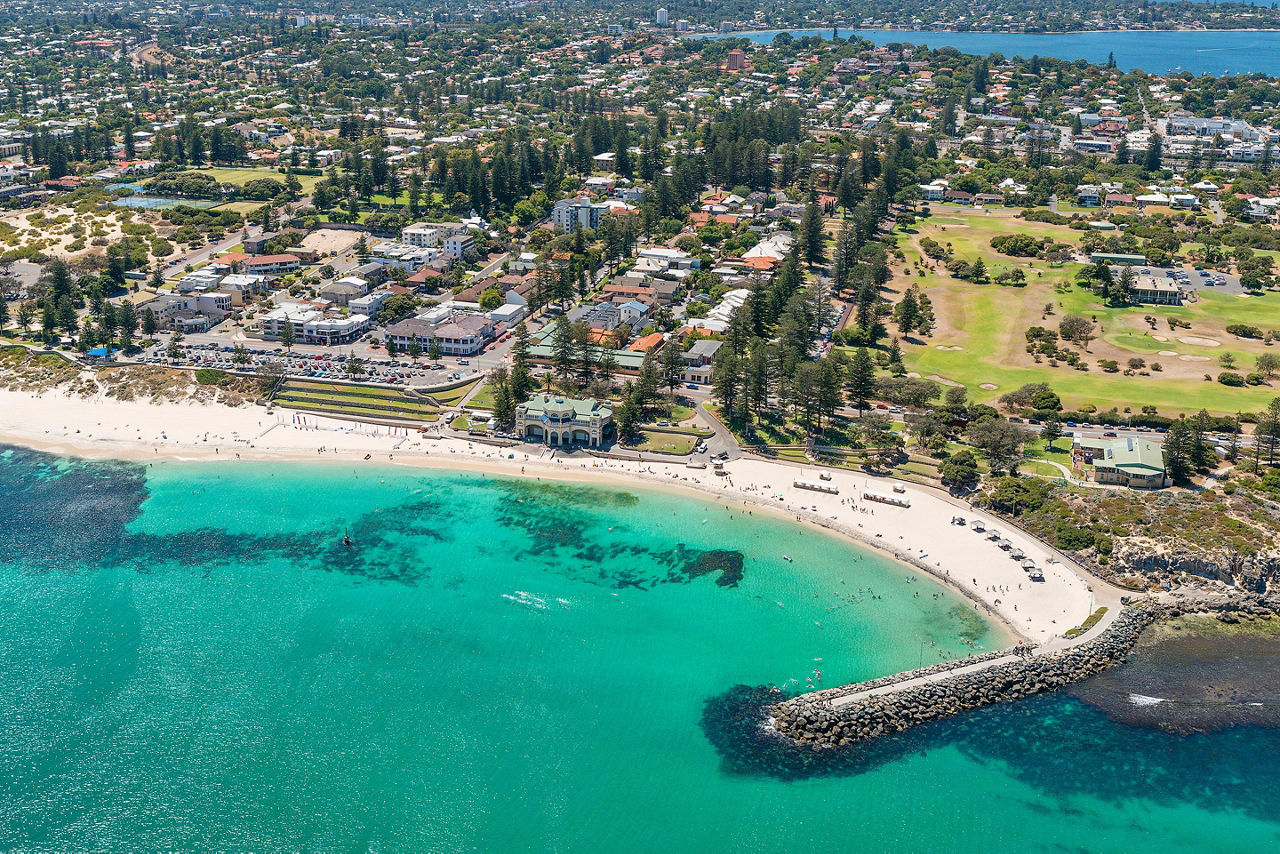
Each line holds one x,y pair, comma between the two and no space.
847,715
758,732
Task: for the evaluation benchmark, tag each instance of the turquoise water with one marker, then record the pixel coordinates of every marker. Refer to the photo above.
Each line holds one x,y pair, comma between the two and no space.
192,660
1197,51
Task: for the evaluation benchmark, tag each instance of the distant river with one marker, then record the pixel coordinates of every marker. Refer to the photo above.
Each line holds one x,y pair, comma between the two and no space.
191,660
1200,52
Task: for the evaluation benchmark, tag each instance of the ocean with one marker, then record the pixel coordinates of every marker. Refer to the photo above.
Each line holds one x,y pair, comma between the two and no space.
192,659
1214,52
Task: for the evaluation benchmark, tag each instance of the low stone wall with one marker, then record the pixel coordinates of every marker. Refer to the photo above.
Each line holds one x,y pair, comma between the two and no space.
811,721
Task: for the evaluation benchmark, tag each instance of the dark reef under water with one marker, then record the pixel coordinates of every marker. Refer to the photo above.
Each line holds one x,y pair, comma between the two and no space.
1212,740
67,514
1054,742
1200,677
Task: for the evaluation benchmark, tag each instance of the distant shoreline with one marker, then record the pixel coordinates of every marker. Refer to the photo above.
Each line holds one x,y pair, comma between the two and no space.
842,30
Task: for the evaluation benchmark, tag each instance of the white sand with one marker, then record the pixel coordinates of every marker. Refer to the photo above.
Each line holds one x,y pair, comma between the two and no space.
1197,341
921,535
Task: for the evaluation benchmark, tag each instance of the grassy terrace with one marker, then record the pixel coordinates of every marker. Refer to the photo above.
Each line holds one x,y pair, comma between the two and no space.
358,411
454,395
356,401
979,339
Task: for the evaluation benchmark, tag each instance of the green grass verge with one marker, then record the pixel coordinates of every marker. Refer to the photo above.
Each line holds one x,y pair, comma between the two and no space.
453,395
660,441
1090,621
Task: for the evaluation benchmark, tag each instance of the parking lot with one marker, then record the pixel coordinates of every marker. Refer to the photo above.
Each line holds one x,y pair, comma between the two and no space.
319,365
1193,278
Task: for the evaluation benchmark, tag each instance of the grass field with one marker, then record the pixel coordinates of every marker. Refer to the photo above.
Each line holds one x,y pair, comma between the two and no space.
240,177
240,207
979,339
427,198
661,441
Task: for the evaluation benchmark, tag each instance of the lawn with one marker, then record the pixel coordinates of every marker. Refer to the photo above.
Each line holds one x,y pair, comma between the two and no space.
343,388
979,338
453,395
240,177
243,208
1040,469
659,441
427,198
1061,453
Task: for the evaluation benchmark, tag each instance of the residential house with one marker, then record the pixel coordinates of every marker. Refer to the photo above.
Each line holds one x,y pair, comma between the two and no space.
699,360
1089,195
270,265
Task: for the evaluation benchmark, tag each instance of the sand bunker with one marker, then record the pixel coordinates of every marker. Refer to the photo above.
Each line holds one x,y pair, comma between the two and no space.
989,386
1168,353
1193,358
943,380
1197,341
1159,338
949,348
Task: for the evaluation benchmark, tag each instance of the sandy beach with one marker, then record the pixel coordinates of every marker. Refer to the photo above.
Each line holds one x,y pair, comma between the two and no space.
921,535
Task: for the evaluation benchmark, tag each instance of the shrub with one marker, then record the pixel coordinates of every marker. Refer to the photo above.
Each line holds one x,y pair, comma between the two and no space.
1230,378
1241,330
1071,538
934,249
211,376
1017,245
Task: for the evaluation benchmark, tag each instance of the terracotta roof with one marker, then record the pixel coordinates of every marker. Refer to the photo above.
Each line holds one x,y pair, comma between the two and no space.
647,343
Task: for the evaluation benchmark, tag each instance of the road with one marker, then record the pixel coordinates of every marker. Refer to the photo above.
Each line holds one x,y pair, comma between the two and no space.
492,267
213,249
